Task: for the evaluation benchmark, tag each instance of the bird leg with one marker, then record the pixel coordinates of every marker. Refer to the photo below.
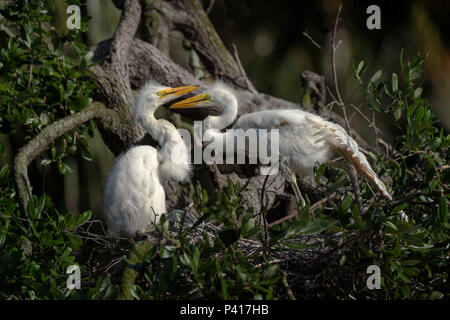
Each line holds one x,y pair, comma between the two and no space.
353,177
289,175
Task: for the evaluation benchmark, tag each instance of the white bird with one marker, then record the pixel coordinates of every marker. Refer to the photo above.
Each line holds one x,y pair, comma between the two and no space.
304,138
134,196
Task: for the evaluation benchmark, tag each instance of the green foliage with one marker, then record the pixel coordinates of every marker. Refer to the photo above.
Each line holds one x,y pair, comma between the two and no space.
213,266
216,265
39,84
44,76
409,239
37,250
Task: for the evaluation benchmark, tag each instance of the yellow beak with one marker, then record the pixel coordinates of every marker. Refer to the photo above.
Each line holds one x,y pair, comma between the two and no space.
191,102
178,91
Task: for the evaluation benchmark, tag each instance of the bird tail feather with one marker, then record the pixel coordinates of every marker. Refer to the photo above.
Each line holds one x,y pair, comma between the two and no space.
349,148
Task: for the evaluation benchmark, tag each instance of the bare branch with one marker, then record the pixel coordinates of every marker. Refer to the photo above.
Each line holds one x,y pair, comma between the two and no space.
305,33
127,27
155,26
189,18
333,53
250,86
333,48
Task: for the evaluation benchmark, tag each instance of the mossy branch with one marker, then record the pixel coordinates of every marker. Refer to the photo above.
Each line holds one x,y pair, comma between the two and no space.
47,136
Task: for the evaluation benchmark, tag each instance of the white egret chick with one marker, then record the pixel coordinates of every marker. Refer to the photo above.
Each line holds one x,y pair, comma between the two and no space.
134,194
304,138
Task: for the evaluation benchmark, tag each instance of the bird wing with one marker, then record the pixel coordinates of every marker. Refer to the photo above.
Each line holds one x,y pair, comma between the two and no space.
341,141
269,119
299,136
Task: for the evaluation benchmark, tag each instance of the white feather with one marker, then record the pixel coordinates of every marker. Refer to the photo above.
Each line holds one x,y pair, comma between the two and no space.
134,196
305,138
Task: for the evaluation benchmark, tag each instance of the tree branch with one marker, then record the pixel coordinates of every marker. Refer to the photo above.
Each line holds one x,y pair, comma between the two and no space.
155,26
112,77
189,18
43,139
126,29
333,48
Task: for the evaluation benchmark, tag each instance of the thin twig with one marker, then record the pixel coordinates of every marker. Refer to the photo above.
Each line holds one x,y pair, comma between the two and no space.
241,70
312,40
317,204
333,53
210,6
288,289
281,220
333,48
262,210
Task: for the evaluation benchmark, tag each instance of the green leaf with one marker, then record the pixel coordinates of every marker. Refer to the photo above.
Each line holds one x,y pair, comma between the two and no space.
375,77
399,208
45,162
435,295
186,260
83,218
345,205
196,258
403,277
314,227
410,262
424,248
443,209
342,260
271,271
320,171
79,103
398,113
65,168
394,83
3,233
4,171
417,92
374,107
3,88
360,66
390,225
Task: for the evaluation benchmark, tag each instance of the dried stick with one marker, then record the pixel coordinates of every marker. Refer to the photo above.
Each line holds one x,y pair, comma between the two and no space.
312,40
333,48
249,85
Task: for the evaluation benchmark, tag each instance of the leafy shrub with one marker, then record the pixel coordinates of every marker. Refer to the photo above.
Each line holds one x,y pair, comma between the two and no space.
38,85
224,253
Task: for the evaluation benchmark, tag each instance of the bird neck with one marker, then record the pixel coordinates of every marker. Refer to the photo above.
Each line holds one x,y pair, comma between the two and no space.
156,129
224,119
144,111
174,156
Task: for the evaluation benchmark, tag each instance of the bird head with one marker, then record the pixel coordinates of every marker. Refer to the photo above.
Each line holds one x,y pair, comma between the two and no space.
168,94
152,95
220,101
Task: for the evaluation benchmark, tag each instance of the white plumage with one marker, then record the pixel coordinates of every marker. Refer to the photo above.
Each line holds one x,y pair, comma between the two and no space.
134,195
304,138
